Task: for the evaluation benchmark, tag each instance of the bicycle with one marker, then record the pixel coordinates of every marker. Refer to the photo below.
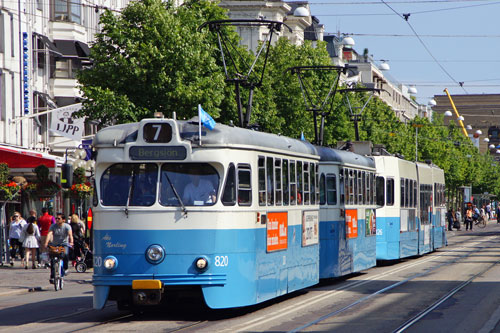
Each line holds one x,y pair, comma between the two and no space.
56,254
480,221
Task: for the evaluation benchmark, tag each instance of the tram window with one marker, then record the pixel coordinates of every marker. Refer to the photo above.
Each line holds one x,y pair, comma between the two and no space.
363,188
402,192
407,189
270,181
410,194
415,193
277,177
368,199
312,173
380,190
129,184
244,186
262,182
306,184
189,184
360,188
293,184
351,187
229,193
341,186
322,189
299,183
331,189
390,192
374,188
286,183
317,182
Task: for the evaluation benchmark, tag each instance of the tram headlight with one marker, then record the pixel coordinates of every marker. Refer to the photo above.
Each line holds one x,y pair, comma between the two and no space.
201,264
110,263
155,254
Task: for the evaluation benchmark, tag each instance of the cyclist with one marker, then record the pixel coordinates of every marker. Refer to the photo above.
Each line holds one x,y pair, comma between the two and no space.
60,234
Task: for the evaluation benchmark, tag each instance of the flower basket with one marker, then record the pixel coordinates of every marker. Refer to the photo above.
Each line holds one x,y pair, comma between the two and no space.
9,191
45,190
81,191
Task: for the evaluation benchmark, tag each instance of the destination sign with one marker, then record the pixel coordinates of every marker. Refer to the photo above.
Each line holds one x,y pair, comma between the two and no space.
157,153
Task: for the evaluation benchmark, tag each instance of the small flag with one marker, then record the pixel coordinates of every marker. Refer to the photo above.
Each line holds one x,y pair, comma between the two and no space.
205,118
302,138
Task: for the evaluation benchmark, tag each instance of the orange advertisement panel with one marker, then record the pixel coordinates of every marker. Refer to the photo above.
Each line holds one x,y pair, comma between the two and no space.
351,223
277,231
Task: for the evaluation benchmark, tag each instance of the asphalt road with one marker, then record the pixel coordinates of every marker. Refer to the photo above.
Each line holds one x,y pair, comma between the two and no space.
454,289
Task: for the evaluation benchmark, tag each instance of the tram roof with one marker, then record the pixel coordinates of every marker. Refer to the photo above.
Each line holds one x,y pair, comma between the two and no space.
221,135
344,157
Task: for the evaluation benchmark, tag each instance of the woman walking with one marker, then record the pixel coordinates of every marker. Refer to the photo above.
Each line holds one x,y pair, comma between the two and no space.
31,238
15,230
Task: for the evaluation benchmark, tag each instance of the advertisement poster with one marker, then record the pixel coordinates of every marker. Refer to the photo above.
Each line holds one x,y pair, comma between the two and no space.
351,223
310,232
370,220
277,231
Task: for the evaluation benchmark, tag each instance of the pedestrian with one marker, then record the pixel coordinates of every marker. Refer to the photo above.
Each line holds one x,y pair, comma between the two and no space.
488,211
468,219
15,229
30,236
449,216
498,213
35,215
44,223
78,229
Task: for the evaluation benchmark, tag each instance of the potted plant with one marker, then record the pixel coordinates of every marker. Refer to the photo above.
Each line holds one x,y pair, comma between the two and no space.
43,188
81,189
8,188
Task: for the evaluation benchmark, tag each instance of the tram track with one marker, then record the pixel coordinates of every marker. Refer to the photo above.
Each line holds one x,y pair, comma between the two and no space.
289,311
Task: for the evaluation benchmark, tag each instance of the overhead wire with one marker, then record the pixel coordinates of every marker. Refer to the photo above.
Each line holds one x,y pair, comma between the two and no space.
405,17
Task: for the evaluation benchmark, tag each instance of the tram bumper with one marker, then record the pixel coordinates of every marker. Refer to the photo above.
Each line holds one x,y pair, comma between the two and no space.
147,292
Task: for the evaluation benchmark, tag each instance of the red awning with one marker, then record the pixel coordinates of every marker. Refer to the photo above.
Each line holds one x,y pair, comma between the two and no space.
21,158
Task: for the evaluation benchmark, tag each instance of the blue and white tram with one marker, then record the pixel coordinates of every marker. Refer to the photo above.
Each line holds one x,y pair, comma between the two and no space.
347,214
408,222
253,234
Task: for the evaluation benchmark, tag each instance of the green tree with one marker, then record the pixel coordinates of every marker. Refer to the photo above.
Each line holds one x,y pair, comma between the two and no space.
152,58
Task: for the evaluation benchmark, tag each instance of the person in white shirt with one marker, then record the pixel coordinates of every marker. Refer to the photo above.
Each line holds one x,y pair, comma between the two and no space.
15,229
199,192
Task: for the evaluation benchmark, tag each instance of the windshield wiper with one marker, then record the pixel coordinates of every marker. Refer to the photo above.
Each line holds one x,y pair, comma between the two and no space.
130,192
184,210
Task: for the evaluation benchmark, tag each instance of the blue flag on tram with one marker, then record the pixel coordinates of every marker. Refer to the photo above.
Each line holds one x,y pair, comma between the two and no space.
302,136
205,118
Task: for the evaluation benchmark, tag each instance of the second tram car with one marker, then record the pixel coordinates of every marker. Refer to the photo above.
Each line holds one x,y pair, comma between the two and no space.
234,218
347,214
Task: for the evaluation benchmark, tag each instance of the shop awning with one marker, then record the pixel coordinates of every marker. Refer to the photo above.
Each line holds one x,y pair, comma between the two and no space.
48,43
72,48
17,158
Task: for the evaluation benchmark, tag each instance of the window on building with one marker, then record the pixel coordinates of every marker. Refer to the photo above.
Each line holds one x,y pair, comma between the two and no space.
67,11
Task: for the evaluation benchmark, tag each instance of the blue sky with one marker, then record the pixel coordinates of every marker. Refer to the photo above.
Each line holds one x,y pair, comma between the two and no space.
468,49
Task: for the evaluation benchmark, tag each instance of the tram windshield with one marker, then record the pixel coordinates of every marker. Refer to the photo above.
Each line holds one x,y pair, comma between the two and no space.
193,184
129,184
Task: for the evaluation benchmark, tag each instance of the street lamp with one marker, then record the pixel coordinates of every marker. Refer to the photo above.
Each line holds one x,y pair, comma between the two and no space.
447,113
468,127
432,103
384,66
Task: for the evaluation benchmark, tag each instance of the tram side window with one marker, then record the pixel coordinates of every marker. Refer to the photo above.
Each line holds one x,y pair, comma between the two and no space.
299,183
415,193
293,183
188,184
331,189
262,182
368,192
341,186
306,184
410,194
380,191
244,185
390,192
286,184
363,188
312,173
374,189
270,181
277,177
322,189
407,196
360,188
350,183
229,193
129,185
403,192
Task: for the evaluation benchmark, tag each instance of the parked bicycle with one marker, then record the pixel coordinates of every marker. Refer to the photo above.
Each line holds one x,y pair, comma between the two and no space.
57,254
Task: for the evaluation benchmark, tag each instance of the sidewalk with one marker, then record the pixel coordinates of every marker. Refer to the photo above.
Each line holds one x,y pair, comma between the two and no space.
17,280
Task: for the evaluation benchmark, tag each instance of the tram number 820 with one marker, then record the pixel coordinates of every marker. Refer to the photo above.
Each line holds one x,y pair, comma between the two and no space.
221,261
